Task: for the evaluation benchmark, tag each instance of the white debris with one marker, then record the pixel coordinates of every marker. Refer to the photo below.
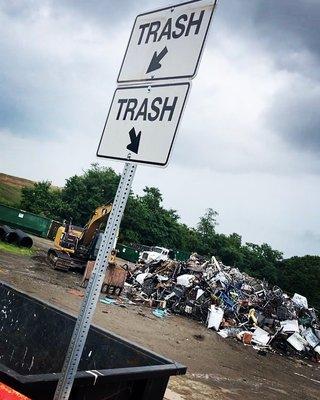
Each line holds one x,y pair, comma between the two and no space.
289,326
186,280
297,341
261,337
215,317
312,340
199,293
141,277
300,301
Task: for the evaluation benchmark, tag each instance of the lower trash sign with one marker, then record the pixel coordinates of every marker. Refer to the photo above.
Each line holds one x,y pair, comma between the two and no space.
142,123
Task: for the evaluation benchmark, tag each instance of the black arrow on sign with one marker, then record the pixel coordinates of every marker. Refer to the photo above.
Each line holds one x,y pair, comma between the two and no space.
135,141
155,62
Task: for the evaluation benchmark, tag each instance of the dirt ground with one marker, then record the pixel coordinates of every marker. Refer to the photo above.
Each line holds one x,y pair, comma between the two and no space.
217,368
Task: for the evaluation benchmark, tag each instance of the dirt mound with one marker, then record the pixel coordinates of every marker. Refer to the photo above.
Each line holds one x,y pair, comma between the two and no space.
15,181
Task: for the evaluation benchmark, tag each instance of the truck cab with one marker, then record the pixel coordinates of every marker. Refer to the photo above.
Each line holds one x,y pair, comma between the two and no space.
156,253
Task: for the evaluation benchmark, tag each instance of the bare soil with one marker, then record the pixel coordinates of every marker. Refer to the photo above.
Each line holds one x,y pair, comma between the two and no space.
217,368
15,181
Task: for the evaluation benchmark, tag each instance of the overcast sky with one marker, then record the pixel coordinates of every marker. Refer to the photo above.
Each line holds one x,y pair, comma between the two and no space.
249,141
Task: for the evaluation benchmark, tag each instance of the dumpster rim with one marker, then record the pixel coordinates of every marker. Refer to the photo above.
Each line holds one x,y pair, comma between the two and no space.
110,375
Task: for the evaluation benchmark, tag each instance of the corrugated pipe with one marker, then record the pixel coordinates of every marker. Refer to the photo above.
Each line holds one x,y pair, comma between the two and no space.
17,237
23,239
7,234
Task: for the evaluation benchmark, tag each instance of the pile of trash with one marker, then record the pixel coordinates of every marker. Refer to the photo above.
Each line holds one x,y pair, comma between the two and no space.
230,302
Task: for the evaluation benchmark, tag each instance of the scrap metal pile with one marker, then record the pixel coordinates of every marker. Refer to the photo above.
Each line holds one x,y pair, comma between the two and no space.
230,302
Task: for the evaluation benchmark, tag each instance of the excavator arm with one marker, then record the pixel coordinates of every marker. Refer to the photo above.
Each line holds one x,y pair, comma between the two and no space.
99,216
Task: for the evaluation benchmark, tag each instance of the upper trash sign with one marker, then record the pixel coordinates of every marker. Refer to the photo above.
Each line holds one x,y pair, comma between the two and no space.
167,43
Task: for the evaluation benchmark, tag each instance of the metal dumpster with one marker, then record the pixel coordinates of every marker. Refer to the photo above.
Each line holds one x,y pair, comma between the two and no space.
28,222
127,253
34,338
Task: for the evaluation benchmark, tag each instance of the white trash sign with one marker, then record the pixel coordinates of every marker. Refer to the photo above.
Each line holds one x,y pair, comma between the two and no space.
167,43
142,123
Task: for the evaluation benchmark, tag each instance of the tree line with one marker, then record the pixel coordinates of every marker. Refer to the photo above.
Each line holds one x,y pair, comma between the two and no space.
147,222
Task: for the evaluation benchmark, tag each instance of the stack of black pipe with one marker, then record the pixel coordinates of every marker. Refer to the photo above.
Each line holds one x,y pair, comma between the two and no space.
16,237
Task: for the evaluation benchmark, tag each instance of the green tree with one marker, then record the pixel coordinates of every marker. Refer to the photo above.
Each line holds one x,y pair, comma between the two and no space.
260,261
82,194
207,224
301,275
206,229
230,250
42,199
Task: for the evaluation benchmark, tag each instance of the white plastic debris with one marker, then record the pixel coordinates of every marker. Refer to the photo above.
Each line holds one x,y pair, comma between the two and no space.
300,301
290,326
297,341
312,340
236,274
261,337
215,316
185,280
162,278
221,277
199,293
141,277
229,332
215,262
188,309
246,288
223,333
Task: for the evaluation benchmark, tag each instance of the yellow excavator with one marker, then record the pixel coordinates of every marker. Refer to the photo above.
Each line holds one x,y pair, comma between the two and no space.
75,246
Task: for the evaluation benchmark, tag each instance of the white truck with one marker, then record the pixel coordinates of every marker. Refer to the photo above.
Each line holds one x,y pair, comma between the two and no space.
155,254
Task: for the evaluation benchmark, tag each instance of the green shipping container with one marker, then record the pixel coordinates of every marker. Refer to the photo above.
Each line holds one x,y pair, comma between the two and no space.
127,253
28,222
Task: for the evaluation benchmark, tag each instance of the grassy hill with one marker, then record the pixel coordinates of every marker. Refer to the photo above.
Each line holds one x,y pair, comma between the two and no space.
10,189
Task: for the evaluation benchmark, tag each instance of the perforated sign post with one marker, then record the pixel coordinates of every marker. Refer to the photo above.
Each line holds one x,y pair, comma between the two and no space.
140,128
167,43
93,290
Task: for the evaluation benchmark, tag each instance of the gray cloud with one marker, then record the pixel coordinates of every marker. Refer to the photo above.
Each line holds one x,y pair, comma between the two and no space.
108,12
49,70
20,9
105,12
284,24
102,12
295,116
291,24
250,134
289,33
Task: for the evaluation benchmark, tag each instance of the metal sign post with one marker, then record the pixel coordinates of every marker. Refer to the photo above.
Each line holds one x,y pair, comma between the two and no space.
141,127
93,290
